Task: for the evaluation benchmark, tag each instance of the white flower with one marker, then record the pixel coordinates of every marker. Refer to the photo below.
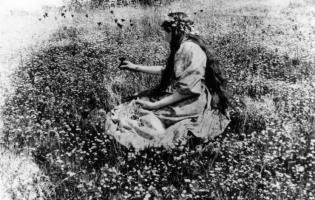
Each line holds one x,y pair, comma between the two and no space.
147,196
300,169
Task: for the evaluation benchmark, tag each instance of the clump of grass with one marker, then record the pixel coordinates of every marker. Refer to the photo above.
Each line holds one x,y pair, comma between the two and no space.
20,178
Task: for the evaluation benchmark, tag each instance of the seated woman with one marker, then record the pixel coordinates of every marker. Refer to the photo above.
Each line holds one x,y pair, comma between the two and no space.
189,98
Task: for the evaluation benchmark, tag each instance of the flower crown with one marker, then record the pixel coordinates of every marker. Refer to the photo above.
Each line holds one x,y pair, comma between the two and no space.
179,22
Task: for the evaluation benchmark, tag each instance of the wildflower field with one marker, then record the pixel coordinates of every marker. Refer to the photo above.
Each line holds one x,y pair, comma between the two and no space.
53,116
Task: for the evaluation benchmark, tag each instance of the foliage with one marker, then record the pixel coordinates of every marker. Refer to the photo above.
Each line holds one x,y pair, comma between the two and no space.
114,3
64,90
20,178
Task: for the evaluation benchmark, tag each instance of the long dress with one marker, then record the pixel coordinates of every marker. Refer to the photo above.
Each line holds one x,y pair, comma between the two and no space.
193,115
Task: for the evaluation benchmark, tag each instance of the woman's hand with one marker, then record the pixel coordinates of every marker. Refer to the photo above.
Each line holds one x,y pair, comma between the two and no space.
127,65
147,104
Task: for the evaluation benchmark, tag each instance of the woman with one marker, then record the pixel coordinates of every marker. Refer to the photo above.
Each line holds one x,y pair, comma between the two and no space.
189,98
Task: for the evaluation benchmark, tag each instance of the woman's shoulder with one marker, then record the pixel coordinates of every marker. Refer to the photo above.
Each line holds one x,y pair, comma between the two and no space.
191,48
188,45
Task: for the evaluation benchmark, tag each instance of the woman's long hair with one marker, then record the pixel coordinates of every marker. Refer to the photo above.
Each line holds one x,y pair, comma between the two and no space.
213,76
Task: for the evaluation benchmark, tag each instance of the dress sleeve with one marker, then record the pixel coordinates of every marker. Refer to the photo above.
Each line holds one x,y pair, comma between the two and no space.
189,68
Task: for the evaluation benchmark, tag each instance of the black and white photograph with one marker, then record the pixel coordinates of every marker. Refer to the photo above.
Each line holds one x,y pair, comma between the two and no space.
157,99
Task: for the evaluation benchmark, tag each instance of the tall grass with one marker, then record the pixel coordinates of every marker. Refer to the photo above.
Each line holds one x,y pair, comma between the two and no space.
20,178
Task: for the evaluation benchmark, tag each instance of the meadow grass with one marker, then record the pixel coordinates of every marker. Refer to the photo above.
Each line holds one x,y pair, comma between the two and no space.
21,178
267,152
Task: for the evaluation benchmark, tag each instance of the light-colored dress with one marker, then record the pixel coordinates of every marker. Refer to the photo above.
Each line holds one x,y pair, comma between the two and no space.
193,114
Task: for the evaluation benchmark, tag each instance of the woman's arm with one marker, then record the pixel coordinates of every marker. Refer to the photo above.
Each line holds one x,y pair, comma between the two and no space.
148,69
142,68
168,100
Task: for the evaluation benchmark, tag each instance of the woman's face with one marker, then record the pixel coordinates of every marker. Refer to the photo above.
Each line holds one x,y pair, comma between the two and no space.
168,36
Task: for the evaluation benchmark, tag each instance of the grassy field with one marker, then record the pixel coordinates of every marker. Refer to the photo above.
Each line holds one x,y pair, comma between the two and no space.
64,69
